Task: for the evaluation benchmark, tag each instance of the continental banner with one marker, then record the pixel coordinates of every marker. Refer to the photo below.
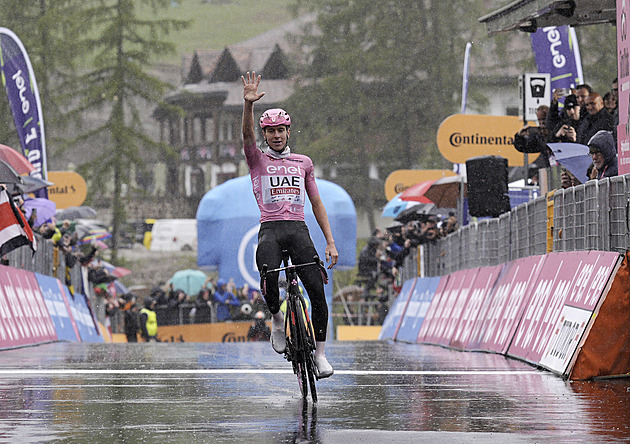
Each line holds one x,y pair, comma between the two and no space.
217,332
463,136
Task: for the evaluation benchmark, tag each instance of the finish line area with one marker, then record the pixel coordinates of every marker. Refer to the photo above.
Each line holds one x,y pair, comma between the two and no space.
243,392
237,371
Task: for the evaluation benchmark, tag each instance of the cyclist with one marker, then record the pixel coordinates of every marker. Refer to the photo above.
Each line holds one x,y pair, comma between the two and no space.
281,180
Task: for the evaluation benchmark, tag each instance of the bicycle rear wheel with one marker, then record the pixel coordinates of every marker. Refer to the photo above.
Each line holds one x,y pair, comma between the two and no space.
297,342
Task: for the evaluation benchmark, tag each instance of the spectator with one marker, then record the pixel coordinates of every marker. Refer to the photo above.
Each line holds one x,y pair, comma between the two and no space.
566,128
581,93
159,293
258,304
602,150
610,103
533,139
172,312
224,300
148,321
259,330
598,119
368,263
131,322
203,307
567,179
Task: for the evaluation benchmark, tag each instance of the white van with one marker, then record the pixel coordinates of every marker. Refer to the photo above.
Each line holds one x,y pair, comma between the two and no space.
174,235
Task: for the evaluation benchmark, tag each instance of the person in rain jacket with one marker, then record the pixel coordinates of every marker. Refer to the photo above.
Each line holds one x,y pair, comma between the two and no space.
602,149
148,321
224,299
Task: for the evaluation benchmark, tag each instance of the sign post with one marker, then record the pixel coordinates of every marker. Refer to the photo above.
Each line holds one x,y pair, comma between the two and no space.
534,90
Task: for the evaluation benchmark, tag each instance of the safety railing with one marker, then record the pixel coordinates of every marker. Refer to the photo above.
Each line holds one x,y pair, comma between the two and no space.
591,216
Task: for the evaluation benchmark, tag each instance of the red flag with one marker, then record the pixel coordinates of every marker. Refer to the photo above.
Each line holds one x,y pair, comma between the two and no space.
14,230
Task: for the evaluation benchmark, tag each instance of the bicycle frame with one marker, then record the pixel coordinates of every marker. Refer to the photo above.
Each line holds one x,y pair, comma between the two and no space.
300,337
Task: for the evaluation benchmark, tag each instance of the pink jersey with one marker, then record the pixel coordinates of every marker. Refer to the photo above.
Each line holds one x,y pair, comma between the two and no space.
281,185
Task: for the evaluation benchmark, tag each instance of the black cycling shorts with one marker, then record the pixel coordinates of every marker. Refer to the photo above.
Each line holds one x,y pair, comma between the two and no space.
293,236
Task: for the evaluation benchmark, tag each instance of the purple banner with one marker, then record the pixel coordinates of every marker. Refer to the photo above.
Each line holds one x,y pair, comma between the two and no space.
19,81
557,53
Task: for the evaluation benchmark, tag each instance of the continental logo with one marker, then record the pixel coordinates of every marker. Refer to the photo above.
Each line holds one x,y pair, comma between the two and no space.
464,136
232,337
458,139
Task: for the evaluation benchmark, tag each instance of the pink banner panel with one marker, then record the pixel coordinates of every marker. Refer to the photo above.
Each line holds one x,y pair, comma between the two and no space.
498,317
594,270
24,318
433,308
460,302
457,281
480,290
552,290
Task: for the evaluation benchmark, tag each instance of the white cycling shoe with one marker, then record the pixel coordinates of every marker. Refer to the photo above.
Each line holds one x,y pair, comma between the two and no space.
324,369
278,337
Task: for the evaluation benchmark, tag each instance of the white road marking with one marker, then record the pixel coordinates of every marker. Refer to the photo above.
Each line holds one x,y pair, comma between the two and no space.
235,371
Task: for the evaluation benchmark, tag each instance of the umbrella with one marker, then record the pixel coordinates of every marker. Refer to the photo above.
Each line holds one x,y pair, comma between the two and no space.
395,206
8,173
120,287
29,184
445,192
16,160
416,192
418,212
190,281
97,234
45,210
114,270
83,227
574,157
72,213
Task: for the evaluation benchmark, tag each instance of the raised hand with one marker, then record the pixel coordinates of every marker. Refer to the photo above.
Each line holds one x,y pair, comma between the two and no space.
250,87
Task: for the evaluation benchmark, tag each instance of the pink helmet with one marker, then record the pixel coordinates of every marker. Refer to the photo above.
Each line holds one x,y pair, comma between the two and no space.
275,117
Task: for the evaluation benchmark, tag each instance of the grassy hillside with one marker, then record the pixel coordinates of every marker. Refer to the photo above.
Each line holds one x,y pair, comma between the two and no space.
218,23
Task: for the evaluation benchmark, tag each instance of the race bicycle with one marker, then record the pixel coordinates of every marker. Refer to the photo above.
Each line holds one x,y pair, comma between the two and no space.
300,349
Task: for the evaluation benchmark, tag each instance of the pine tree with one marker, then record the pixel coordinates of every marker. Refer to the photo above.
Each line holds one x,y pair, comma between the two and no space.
121,46
381,78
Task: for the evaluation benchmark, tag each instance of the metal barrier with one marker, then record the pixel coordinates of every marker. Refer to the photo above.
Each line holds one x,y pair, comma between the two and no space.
48,260
591,216
361,312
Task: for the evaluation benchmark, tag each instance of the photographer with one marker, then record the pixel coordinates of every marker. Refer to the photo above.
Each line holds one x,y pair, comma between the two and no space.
566,129
533,139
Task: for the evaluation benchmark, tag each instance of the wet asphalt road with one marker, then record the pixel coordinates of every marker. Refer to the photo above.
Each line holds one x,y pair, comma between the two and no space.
244,392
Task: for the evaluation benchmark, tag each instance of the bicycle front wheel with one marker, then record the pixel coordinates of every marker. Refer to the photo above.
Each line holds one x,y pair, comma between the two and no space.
307,346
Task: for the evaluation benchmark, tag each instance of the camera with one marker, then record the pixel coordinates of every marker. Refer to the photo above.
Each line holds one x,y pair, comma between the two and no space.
563,92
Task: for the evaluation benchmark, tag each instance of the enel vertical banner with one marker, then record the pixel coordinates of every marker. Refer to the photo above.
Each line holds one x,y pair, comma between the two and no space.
19,82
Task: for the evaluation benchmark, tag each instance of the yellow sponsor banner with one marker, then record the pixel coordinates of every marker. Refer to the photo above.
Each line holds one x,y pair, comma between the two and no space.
358,332
69,189
399,180
218,332
462,136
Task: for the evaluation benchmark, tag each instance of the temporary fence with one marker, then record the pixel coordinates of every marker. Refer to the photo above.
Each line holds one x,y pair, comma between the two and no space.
591,216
